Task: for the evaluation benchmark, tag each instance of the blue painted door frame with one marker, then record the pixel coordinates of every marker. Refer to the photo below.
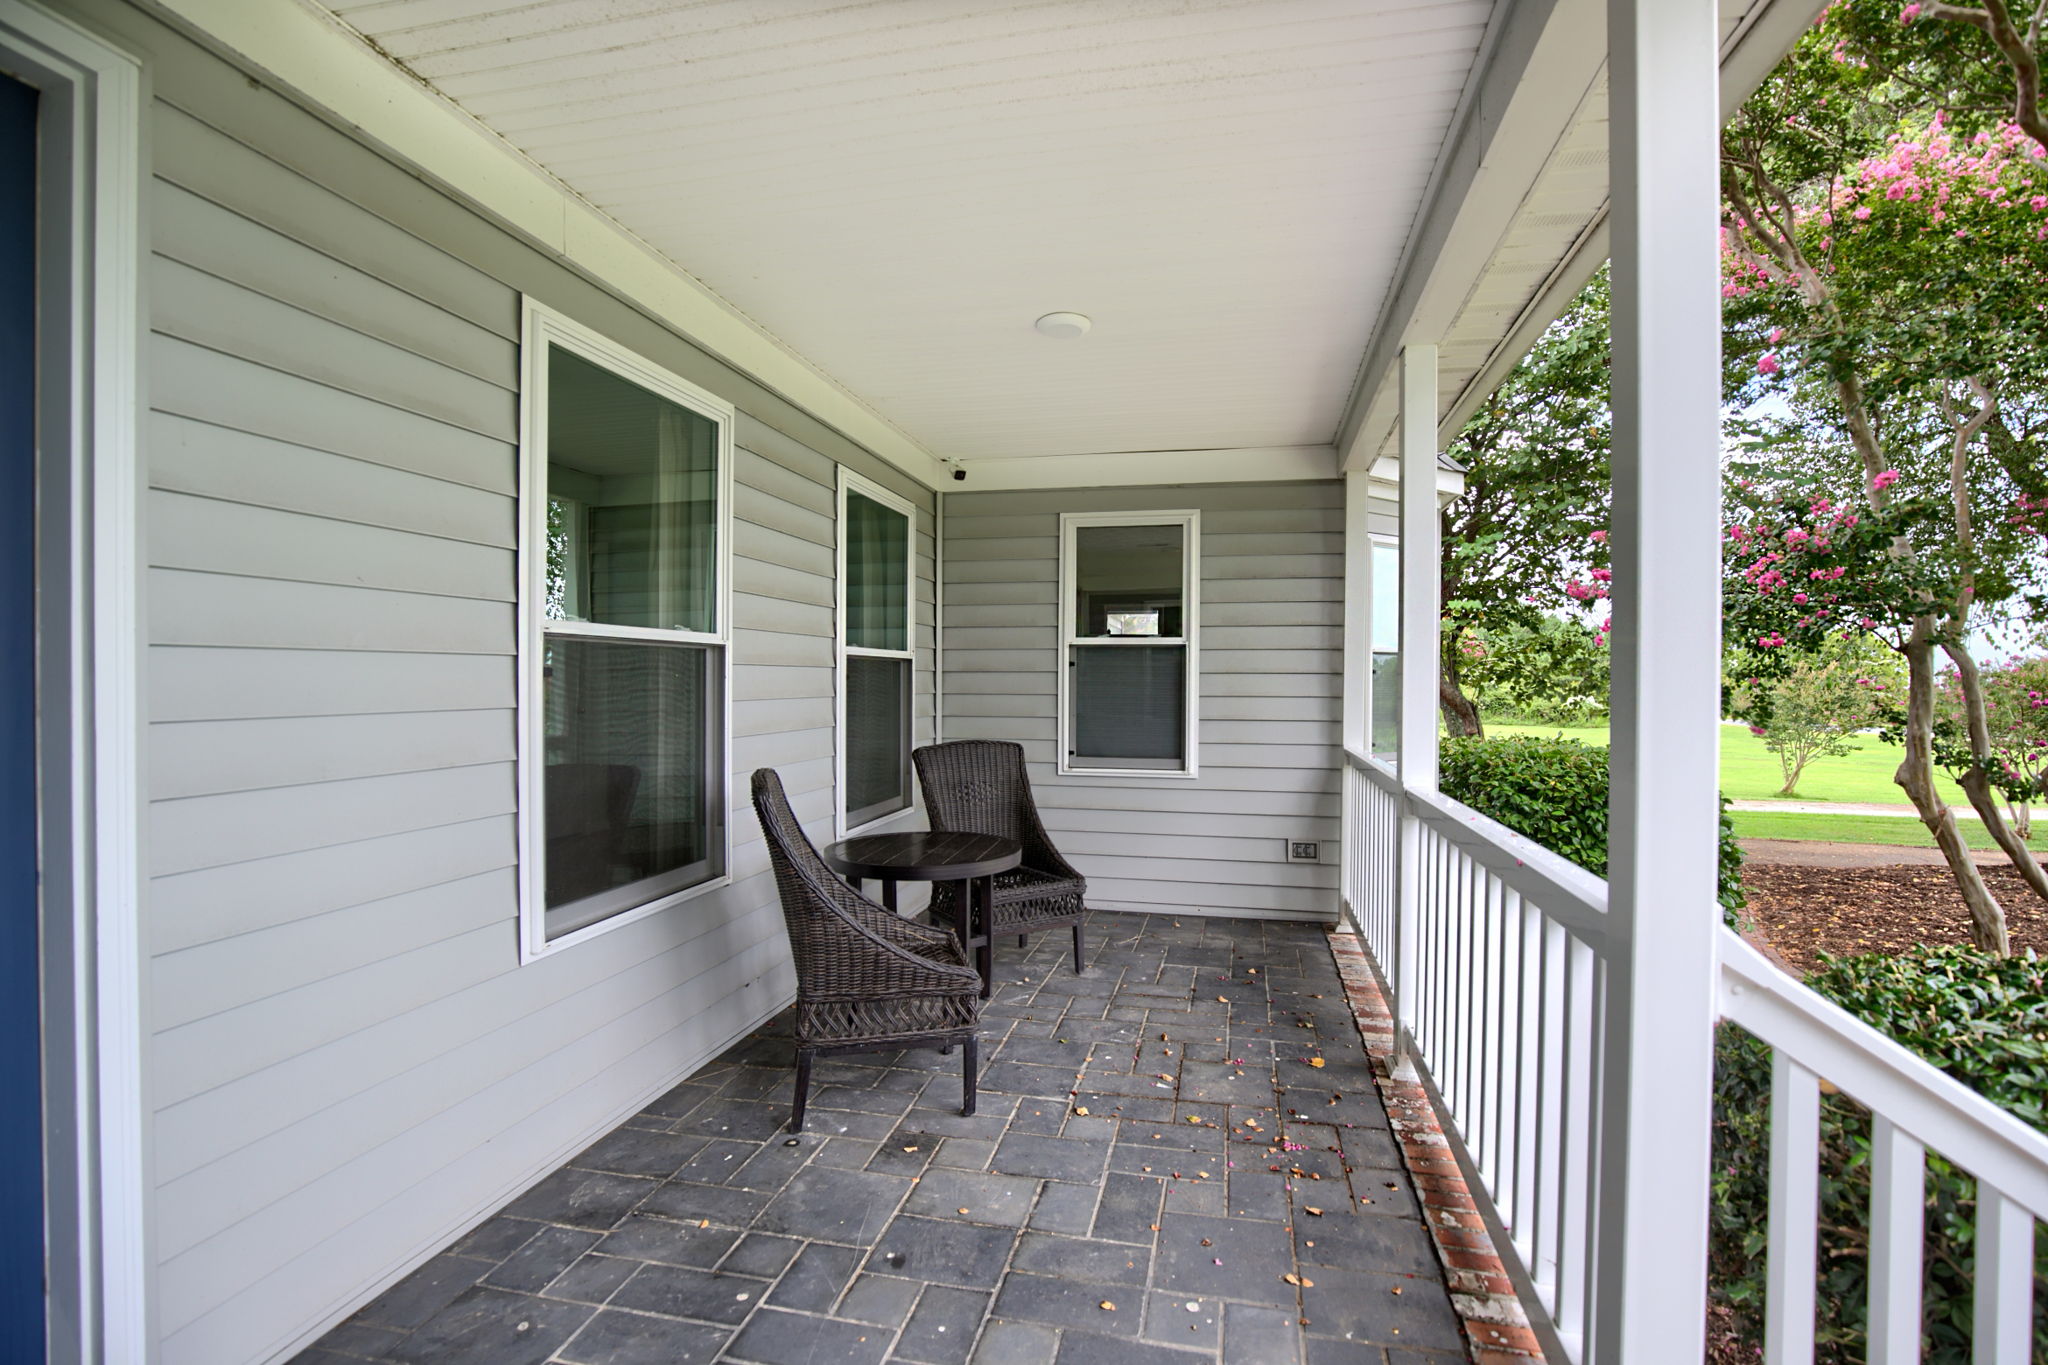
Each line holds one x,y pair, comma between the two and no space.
22,1243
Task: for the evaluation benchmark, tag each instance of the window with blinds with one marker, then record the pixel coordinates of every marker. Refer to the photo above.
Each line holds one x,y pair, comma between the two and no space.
876,651
625,473
1129,584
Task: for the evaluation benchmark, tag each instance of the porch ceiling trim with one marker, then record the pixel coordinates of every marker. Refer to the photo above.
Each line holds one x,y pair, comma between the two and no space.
347,80
1492,163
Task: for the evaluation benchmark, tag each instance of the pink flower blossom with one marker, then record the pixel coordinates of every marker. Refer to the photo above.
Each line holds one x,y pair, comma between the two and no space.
1862,212
1885,480
1598,537
2039,203
1909,13
1767,364
1777,335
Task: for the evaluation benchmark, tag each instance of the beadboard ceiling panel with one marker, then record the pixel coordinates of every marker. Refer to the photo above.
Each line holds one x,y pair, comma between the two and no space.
896,189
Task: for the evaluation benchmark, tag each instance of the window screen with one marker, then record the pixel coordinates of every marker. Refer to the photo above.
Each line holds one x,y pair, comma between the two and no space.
1127,589
625,794
875,653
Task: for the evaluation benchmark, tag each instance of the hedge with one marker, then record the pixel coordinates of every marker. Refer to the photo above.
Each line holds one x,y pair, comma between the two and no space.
1555,792
1983,1020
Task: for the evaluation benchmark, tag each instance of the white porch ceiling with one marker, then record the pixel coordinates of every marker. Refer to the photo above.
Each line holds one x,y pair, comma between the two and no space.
896,189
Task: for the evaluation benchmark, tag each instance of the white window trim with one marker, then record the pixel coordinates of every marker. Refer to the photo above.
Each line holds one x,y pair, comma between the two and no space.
1190,520
542,327
850,482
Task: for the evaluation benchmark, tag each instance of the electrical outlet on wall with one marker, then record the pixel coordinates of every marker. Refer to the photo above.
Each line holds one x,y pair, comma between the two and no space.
1304,851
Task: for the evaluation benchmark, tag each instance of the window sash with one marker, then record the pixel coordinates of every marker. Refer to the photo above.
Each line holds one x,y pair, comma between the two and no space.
880,504
543,930
1070,722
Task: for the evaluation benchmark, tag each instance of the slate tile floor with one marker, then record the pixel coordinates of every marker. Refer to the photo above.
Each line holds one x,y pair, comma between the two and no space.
1151,1135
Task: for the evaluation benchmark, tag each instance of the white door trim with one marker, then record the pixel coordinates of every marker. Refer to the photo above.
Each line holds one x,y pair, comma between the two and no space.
98,1200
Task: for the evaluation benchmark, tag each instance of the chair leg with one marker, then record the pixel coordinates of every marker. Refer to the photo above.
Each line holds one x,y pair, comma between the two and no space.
803,1089
1023,941
969,1075
1077,947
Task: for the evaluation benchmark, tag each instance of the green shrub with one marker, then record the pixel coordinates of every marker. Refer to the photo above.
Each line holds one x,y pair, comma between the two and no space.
1555,792
1981,1019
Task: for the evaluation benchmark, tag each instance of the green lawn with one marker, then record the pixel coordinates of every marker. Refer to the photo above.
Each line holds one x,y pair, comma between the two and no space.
1749,772
1863,829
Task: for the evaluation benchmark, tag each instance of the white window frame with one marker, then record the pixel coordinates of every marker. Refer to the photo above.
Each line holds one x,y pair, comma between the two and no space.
1190,520
542,327
850,483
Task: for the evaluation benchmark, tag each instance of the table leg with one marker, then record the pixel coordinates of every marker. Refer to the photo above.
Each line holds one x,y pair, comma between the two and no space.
889,896
987,960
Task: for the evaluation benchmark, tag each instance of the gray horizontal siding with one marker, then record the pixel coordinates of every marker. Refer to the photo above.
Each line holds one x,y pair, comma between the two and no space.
1271,629
349,1064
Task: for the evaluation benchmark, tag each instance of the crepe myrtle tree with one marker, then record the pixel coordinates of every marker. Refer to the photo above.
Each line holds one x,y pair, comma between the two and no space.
2015,695
1885,258
1536,490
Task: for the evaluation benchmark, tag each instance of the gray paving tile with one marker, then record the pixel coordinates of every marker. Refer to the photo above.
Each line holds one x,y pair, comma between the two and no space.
691,1202
817,1278
1065,1208
1390,1310
1080,1258
942,1252
883,1300
582,1199
1398,1246
1186,1322
761,1254
424,1293
642,1238
778,1338
1016,1343
635,1151
834,1206
1069,1303
1252,1257
614,1337
492,1327
591,1278
942,1330
986,1198
1051,1158
681,1292
545,1255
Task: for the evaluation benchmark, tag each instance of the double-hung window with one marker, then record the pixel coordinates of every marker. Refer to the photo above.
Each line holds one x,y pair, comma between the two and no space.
1386,648
1129,599
876,654
624,607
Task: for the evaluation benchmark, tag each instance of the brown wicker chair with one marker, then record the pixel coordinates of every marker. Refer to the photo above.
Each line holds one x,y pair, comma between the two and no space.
866,980
978,786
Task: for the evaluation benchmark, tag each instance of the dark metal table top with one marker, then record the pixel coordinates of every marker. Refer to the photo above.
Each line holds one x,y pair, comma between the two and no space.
923,856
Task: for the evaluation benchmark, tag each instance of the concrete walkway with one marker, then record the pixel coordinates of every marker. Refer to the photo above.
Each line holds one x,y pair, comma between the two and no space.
1840,808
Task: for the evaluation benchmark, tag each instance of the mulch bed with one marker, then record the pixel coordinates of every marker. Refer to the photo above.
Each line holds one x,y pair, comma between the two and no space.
1802,911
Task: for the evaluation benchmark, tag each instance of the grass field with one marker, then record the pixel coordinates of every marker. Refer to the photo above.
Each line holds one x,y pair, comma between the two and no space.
1749,772
1863,829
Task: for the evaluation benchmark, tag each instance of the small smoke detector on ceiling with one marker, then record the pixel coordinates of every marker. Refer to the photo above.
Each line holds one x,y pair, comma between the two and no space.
1064,325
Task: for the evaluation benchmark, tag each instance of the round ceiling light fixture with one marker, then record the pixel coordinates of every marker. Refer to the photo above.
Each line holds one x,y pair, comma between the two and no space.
1066,326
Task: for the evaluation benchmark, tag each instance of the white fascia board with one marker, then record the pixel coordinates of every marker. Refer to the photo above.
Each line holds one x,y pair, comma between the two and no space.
307,50
1125,469
1383,480
1537,73
1474,195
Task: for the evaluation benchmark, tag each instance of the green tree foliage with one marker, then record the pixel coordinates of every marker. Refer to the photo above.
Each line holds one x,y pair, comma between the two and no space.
1553,672
1885,256
1810,706
1533,515
2016,717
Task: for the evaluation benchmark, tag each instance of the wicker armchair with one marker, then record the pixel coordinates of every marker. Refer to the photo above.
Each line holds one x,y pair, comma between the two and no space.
978,786
866,980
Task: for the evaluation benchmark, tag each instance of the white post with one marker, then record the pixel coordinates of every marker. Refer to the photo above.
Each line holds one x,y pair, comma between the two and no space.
1420,574
1649,1269
1357,712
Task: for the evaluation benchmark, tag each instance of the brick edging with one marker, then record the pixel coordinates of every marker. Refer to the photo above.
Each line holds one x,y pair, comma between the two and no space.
1496,1329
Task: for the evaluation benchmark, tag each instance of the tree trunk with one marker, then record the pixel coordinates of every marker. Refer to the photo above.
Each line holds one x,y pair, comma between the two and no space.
1976,783
1461,717
1916,775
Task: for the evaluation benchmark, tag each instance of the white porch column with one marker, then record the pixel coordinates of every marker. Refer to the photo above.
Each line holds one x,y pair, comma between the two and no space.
1421,573
1650,1266
1357,708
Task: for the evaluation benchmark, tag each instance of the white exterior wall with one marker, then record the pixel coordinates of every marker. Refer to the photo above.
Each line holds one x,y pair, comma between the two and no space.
348,1065
1271,635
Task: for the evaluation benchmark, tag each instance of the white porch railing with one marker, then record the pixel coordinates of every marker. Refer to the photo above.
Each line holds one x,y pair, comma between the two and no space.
1501,1015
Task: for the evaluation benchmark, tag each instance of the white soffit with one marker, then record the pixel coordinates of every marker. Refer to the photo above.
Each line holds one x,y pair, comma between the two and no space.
897,189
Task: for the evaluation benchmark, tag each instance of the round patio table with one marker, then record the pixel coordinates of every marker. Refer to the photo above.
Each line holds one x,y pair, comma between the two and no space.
937,856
